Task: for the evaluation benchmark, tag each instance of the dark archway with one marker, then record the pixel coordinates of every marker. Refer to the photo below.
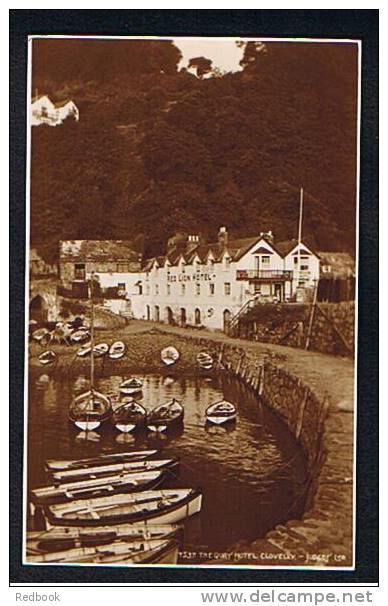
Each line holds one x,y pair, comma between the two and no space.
197,316
169,315
183,316
157,313
226,318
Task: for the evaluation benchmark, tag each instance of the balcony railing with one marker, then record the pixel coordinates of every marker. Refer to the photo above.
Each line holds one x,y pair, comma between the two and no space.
263,274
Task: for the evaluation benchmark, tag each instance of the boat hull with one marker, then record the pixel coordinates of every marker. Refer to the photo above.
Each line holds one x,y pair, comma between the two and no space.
218,420
136,455
100,471
87,489
185,508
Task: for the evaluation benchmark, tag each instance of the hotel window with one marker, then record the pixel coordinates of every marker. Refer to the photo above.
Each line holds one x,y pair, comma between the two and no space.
265,260
168,289
227,288
156,289
122,267
183,289
210,263
226,263
197,289
211,289
147,289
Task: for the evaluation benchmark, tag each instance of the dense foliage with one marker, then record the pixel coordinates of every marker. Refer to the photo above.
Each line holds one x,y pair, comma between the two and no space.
157,150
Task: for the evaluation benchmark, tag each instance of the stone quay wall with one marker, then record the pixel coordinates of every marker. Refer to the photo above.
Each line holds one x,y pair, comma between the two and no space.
332,329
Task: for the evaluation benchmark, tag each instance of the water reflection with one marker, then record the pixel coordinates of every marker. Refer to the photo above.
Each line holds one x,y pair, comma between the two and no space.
251,471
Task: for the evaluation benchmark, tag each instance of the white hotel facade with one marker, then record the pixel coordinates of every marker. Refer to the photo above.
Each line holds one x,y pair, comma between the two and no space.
198,284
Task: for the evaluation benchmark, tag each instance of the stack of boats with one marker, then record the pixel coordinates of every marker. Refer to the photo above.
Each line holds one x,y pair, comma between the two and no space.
110,510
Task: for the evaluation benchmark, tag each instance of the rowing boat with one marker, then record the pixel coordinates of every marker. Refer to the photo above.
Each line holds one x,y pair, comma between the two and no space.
166,506
89,410
48,357
131,386
58,538
129,416
169,355
116,457
221,412
99,471
118,553
205,361
164,416
117,350
100,349
98,487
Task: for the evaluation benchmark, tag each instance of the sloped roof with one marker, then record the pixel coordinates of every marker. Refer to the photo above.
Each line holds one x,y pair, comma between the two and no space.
98,250
63,103
285,247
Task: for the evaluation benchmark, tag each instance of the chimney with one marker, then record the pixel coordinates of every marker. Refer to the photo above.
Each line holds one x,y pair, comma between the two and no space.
223,238
193,241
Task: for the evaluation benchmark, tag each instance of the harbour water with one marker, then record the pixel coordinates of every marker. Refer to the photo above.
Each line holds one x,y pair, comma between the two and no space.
252,473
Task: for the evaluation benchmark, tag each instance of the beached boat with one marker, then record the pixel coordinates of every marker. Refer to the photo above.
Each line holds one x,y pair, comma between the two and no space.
169,355
205,361
85,350
129,416
102,459
80,335
166,506
89,410
131,386
164,416
59,538
99,471
48,357
101,349
117,350
221,412
98,487
160,551
41,335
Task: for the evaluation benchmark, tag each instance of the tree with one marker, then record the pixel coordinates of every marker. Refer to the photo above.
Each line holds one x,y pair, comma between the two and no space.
201,65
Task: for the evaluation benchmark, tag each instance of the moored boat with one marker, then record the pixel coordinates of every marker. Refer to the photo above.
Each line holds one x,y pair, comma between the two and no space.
164,416
166,506
128,416
102,459
205,361
98,487
169,355
48,357
118,553
131,386
89,410
72,475
221,412
58,538
117,350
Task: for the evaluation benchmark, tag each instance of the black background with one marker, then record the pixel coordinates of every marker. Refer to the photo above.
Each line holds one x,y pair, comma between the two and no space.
354,24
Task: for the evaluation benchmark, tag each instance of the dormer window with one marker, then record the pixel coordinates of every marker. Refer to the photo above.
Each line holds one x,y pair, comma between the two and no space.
227,261
210,262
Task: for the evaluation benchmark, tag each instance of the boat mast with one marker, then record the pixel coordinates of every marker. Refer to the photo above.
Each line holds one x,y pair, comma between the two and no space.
300,231
91,287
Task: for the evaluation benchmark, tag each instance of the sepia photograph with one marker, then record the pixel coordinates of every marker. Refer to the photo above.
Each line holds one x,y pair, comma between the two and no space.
191,302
